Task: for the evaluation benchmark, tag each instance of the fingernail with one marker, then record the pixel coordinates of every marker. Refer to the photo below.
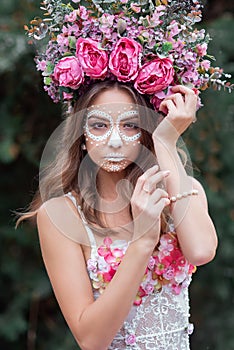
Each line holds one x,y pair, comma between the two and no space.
166,173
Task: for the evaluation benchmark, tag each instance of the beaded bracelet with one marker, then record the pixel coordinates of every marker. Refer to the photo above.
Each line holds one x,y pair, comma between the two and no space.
183,195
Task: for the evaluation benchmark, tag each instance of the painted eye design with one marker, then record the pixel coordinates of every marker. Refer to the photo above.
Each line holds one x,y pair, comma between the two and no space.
98,126
130,126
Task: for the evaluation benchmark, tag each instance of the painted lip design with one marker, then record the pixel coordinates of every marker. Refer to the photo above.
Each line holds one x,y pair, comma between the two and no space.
115,157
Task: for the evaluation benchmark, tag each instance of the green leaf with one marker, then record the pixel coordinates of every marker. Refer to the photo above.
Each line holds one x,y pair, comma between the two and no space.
166,47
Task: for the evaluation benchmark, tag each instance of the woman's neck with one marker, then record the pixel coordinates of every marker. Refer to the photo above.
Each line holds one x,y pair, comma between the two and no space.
113,204
108,183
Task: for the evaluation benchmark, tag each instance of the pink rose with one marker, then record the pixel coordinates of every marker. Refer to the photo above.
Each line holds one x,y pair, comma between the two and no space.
154,76
92,59
124,58
68,72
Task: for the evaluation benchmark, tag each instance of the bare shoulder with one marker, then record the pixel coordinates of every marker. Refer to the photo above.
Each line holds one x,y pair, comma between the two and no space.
59,216
201,192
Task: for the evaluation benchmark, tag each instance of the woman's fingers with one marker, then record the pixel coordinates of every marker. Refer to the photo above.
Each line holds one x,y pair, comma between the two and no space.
167,106
190,97
142,179
157,195
151,183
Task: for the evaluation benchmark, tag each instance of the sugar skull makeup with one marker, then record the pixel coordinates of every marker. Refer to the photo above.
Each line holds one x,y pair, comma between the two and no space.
100,125
112,135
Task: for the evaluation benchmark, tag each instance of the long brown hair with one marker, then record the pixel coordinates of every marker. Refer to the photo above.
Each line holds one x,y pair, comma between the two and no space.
61,175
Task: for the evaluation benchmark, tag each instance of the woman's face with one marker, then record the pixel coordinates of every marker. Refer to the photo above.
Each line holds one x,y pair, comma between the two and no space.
112,130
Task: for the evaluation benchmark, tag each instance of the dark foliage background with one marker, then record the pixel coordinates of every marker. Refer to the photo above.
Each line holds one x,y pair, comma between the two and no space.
29,315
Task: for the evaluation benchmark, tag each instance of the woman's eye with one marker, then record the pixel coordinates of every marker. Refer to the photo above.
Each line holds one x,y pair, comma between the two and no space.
98,126
130,126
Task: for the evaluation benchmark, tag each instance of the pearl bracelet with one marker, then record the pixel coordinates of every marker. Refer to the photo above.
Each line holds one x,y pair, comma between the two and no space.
183,195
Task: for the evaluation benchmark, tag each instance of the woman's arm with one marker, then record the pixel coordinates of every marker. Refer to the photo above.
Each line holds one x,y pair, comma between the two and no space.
95,323
196,232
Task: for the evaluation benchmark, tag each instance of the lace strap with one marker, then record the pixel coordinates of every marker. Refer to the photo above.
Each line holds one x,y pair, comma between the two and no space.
87,228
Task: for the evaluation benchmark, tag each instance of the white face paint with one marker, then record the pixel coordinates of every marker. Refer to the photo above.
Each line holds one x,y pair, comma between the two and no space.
100,125
116,129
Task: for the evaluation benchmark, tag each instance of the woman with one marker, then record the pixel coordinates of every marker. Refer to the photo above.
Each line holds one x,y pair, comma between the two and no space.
104,241
122,226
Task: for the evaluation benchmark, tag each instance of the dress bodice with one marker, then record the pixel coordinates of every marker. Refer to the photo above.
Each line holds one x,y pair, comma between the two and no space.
159,317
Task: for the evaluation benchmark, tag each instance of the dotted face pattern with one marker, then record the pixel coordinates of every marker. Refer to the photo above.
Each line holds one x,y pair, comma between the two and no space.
106,116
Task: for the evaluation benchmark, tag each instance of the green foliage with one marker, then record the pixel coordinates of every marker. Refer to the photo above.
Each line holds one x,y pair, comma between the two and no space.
29,316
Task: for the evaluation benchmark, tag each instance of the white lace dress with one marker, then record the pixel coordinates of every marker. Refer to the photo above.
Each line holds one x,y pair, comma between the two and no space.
159,317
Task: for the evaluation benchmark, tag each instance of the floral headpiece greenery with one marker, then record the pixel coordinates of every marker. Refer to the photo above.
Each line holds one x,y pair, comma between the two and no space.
152,45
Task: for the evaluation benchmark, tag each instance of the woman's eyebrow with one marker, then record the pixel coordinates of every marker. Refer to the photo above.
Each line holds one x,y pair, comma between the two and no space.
97,117
124,118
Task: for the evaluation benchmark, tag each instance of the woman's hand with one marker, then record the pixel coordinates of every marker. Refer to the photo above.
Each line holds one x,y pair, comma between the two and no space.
181,112
147,204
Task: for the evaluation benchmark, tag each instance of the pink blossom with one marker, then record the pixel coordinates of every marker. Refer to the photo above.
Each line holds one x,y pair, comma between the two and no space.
92,265
67,96
107,19
201,49
154,76
83,12
103,251
71,17
205,64
41,65
62,40
166,241
151,263
108,275
73,29
130,339
135,7
106,24
68,72
174,28
155,20
92,59
141,293
124,58
160,268
107,241
176,288
169,273
149,288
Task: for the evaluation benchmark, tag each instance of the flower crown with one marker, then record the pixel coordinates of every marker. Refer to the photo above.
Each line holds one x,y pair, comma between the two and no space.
151,45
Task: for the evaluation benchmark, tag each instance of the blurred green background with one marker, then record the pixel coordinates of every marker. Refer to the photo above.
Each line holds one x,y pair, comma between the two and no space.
29,315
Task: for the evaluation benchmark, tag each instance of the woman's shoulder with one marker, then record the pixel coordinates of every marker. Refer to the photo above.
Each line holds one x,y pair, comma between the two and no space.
60,214
56,203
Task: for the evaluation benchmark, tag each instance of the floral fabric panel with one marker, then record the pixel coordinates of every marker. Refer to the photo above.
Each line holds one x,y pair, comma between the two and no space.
159,316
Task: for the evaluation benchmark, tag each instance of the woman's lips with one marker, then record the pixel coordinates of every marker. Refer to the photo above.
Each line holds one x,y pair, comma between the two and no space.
114,157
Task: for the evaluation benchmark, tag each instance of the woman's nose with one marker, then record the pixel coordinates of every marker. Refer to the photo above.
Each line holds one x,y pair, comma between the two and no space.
115,139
